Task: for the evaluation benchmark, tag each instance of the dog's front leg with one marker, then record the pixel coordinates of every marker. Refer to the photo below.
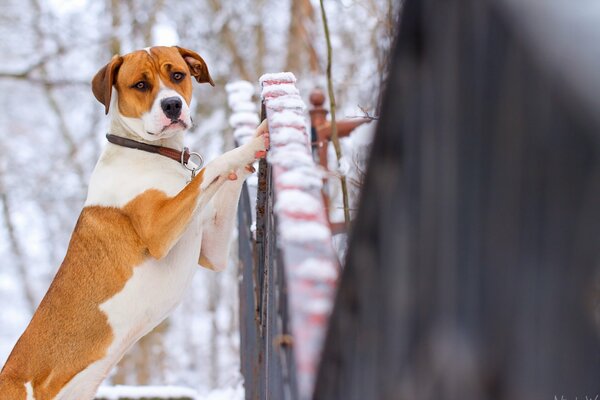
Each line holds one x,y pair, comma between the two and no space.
218,221
160,220
219,217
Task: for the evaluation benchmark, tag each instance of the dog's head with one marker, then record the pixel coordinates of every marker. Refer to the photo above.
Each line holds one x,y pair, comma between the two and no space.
153,89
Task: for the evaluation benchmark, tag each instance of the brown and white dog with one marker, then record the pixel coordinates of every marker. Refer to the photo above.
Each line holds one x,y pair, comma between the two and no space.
140,236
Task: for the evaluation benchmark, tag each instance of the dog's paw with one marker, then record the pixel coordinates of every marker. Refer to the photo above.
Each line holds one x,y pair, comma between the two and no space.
262,131
259,145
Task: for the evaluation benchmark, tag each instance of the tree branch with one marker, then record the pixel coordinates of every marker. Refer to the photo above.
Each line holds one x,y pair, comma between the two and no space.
21,267
334,133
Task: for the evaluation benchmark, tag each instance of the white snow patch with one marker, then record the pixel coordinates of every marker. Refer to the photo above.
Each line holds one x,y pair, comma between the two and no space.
316,269
243,118
244,106
270,92
277,78
317,306
287,118
235,98
290,159
240,87
301,178
137,392
252,180
344,166
286,101
243,134
296,201
303,231
284,135
236,393
293,147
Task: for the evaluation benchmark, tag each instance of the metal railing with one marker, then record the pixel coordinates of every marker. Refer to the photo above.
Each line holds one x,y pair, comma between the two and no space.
284,302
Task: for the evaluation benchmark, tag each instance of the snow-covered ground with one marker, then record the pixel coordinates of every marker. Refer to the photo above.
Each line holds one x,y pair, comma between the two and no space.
167,392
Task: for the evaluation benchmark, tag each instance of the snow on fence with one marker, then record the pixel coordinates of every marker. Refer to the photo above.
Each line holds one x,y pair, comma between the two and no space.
145,393
289,268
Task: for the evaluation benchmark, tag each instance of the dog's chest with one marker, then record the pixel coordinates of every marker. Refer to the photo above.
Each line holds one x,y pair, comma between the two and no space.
156,286
153,290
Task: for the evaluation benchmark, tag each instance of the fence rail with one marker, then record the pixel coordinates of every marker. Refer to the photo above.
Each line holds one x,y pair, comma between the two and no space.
288,265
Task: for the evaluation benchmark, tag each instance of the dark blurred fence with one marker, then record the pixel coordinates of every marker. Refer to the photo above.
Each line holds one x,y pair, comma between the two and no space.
267,362
473,269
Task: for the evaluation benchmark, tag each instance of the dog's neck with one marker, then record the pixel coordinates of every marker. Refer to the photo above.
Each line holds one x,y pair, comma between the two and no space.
117,127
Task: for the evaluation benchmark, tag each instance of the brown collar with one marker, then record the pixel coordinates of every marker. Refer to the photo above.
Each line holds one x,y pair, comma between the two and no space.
181,157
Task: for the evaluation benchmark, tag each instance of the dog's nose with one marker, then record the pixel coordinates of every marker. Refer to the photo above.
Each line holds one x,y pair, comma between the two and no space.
172,107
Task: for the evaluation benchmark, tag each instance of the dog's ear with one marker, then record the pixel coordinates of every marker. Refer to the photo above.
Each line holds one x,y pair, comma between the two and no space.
197,66
104,79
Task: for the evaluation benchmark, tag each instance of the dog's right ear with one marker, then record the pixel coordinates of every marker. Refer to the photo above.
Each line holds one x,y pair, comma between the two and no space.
104,79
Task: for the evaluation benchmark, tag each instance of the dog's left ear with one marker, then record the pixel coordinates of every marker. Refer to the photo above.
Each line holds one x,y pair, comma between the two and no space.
197,66
104,80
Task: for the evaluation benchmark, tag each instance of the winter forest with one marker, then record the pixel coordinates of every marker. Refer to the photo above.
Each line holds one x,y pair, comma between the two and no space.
52,131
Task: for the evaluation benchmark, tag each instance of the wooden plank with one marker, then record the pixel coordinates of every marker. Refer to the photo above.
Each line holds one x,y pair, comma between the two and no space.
472,271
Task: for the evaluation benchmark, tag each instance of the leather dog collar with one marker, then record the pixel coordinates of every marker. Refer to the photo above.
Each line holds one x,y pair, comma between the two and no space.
179,156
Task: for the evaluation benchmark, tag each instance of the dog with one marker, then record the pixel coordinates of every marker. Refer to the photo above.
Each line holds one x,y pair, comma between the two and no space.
145,226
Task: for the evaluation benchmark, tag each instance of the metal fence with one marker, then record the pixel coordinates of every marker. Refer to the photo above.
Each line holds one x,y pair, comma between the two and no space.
288,265
267,359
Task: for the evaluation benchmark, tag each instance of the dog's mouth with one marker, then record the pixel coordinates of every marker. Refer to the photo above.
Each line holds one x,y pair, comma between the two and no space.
174,124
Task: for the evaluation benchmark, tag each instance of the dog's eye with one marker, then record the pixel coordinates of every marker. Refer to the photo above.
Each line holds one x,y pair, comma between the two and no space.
177,76
141,85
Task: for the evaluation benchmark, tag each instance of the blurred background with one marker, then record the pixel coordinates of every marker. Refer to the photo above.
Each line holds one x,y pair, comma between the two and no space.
52,131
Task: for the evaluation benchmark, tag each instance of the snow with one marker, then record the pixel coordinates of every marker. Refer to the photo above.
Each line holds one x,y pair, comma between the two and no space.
344,166
244,118
317,306
279,90
243,133
167,392
303,231
240,87
277,78
252,180
287,118
290,159
297,202
235,98
317,269
285,135
236,393
301,178
244,106
292,148
138,392
287,101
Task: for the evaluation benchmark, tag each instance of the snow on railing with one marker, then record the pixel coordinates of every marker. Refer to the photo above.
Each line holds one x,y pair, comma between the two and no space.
244,116
145,392
243,121
303,234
